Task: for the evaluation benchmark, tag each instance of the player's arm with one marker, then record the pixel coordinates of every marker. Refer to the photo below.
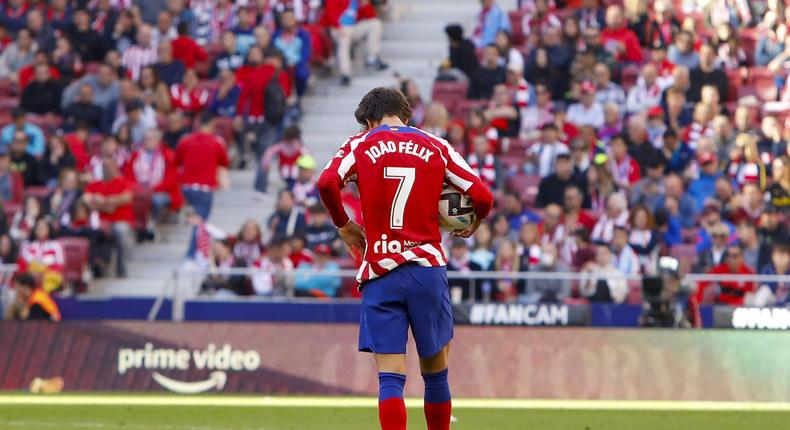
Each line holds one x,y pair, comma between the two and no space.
458,173
331,182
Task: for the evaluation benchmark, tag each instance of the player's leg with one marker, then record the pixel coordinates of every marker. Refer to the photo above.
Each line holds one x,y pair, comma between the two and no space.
392,380
383,330
438,404
431,318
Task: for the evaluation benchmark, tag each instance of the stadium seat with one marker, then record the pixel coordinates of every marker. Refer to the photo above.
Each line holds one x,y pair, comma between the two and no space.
8,102
76,256
525,185
6,87
449,93
223,127
763,81
40,193
686,255
515,17
463,107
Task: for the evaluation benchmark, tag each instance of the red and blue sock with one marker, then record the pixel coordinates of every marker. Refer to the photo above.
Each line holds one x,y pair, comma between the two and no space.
392,409
438,405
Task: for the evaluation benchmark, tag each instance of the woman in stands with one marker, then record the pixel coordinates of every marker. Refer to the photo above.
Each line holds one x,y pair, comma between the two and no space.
57,157
643,238
189,96
153,91
436,118
600,182
40,254
249,243
509,56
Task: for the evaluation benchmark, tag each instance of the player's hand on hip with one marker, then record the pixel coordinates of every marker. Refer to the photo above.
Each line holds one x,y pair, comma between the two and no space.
469,231
354,237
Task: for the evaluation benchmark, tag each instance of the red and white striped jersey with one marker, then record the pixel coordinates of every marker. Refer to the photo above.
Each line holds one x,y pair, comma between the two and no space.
399,171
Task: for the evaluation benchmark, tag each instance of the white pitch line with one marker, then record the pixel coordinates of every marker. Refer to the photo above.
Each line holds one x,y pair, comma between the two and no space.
126,426
371,402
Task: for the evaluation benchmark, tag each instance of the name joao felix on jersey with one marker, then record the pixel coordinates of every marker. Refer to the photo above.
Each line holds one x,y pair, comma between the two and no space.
408,147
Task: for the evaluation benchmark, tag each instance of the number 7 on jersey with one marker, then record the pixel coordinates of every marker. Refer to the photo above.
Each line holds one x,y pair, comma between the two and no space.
405,178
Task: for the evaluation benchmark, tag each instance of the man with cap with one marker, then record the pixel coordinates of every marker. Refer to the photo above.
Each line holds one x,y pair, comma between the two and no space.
33,303
704,186
587,111
137,119
650,188
771,229
312,284
304,189
36,144
710,217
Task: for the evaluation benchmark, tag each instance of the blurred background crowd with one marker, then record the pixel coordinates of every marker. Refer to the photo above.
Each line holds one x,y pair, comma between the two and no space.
614,133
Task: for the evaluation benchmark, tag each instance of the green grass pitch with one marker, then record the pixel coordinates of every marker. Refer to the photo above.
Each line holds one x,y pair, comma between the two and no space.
209,414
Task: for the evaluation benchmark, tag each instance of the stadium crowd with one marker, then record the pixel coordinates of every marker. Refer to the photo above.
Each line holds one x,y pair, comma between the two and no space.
612,134
119,115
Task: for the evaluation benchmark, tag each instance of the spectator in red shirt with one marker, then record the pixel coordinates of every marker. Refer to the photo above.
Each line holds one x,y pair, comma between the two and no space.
186,49
189,96
152,167
112,199
26,73
200,158
618,39
730,293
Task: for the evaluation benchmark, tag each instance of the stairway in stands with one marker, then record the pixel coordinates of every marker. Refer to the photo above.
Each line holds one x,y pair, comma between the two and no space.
414,45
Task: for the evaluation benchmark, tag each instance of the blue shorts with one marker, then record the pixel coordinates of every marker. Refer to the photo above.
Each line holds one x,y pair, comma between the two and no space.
410,295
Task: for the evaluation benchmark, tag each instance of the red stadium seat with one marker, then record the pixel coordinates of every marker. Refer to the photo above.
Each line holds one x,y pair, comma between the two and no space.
223,127
6,87
449,93
516,26
8,102
686,255
525,185
38,192
463,108
76,255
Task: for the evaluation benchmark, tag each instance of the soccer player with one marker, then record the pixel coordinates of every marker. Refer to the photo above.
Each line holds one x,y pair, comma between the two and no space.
400,171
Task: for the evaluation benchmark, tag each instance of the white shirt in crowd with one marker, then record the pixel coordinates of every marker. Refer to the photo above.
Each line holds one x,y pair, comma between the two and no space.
582,116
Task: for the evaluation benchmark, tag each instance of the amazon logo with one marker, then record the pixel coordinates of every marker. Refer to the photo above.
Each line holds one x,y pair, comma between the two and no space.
219,360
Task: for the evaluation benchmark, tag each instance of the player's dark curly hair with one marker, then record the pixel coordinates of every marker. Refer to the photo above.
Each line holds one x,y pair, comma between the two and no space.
381,102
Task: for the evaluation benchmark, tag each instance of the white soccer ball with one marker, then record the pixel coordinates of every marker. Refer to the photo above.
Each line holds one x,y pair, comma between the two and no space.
455,209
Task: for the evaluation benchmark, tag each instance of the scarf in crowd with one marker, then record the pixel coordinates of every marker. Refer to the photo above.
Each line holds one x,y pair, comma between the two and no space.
487,169
149,167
